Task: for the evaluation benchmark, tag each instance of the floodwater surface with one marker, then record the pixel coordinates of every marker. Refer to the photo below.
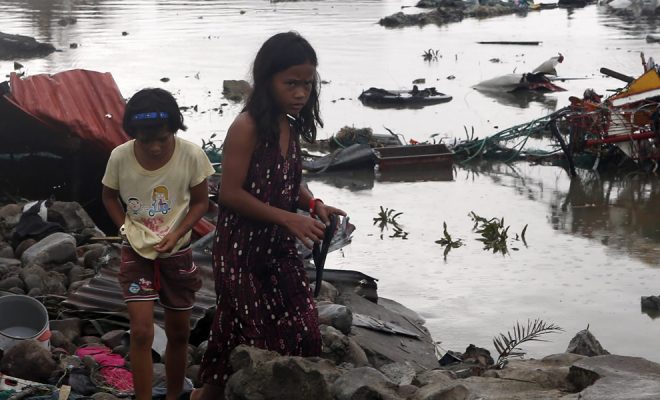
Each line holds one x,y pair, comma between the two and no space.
592,243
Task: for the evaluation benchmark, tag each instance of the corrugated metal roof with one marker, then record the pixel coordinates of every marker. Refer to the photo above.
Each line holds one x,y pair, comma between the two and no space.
102,292
86,103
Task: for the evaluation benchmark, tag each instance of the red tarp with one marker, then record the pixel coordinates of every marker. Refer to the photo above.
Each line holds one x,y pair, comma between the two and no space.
86,103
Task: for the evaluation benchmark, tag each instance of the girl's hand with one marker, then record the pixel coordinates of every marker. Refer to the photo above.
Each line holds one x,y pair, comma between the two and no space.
323,211
307,229
167,243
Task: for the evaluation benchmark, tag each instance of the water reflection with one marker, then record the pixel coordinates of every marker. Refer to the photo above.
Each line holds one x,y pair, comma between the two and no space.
45,15
361,179
521,99
618,211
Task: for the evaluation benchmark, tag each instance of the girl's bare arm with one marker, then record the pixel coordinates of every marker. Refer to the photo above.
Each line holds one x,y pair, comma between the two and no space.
113,206
239,145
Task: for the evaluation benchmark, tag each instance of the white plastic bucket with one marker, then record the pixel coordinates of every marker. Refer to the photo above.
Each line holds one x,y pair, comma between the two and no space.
21,318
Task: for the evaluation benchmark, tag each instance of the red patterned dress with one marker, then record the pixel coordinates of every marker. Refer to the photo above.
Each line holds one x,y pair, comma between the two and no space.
263,295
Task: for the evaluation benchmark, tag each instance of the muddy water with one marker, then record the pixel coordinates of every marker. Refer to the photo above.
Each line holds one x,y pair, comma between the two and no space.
593,243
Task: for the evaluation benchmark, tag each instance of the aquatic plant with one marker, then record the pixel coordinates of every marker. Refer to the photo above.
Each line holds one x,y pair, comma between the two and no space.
213,151
507,345
492,231
387,217
431,55
494,234
448,242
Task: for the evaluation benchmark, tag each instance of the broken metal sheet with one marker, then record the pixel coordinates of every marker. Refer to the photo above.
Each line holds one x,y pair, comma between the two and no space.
369,322
102,293
102,297
86,104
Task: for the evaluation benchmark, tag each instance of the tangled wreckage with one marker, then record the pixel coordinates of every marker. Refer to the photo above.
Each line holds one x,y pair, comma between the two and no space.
621,132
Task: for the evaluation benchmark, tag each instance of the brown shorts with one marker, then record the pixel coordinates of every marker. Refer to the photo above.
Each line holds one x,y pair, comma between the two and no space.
172,280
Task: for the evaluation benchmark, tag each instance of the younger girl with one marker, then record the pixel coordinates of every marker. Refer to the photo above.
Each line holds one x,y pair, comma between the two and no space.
263,296
162,180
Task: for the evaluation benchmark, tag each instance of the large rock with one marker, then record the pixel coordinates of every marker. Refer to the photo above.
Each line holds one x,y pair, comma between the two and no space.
70,215
340,348
28,360
550,372
10,214
11,282
19,46
399,373
236,90
586,344
281,378
9,263
6,250
69,327
337,315
46,282
54,249
362,384
612,377
442,391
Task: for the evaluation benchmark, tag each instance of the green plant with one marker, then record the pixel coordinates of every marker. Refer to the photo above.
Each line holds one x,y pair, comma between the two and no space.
210,144
431,55
507,345
387,217
448,242
492,231
494,234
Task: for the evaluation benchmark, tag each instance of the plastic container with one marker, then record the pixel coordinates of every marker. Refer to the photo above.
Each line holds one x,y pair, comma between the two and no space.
22,318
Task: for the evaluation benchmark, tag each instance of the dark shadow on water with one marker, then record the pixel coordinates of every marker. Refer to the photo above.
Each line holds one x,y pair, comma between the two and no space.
440,174
521,99
361,179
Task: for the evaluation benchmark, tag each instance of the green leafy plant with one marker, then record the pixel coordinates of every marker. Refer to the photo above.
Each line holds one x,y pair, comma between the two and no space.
213,151
507,345
448,242
387,217
492,231
431,55
494,234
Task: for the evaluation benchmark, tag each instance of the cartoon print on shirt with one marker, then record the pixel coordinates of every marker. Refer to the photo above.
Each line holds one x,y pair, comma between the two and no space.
134,205
159,201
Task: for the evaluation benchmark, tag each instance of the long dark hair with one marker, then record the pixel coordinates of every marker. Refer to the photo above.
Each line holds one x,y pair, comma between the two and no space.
278,53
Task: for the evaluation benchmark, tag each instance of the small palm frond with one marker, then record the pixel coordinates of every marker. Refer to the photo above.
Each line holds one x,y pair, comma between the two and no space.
507,345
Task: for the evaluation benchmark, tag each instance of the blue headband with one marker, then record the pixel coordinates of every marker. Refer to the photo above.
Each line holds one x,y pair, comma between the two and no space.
150,115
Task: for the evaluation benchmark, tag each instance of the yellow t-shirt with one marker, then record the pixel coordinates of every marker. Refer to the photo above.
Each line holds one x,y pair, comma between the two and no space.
157,201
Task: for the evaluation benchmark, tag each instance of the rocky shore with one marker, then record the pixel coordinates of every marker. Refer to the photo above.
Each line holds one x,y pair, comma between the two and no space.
447,11
373,348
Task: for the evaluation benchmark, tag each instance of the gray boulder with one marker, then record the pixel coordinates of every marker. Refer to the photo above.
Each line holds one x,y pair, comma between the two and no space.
10,214
401,373
340,348
57,248
28,360
327,293
281,378
441,391
362,384
70,215
113,338
337,315
586,344
19,46
10,263
11,282
236,90
612,377
6,251
69,327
